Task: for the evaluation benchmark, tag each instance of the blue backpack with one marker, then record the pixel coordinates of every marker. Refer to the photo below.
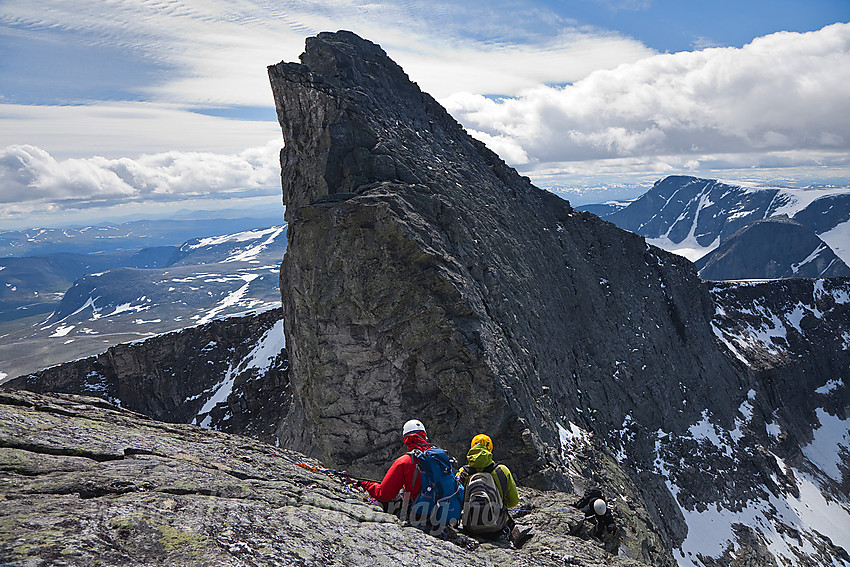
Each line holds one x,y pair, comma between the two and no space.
440,501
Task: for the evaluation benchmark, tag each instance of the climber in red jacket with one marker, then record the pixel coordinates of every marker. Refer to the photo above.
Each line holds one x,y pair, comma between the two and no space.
401,484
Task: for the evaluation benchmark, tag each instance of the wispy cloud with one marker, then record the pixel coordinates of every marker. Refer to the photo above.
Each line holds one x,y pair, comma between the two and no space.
215,52
173,59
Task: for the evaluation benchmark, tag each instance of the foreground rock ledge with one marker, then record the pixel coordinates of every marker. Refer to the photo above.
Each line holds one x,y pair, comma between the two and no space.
83,482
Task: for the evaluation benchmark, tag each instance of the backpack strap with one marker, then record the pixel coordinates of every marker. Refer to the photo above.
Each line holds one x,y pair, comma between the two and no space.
414,460
503,479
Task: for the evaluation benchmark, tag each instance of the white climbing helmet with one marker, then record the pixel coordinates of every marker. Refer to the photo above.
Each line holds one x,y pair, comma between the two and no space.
600,507
412,426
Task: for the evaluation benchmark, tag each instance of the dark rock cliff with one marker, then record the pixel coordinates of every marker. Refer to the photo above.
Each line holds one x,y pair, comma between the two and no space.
426,278
219,374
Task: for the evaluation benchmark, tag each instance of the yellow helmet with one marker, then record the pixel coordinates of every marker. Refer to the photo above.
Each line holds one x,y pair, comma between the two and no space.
482,439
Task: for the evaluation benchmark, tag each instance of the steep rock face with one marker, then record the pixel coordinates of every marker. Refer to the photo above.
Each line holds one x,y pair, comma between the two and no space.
86,483
423,276
230,374
426,278
769,249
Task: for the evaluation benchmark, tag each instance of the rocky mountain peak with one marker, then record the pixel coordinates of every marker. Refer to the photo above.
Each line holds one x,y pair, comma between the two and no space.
352,118
425,278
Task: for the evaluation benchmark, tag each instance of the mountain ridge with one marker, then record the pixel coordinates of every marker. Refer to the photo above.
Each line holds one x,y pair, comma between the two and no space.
692,217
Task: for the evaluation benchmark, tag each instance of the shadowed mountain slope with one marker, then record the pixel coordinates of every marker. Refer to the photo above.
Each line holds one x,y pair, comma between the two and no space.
771,248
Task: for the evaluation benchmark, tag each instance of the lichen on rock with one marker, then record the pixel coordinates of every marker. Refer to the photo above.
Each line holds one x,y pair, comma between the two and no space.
173,494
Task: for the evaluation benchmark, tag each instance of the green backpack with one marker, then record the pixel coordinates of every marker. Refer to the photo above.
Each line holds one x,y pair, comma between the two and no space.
484,511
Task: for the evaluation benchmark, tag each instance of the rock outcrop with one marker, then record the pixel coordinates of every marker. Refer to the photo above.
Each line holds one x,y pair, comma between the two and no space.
425,278
84,483
230,374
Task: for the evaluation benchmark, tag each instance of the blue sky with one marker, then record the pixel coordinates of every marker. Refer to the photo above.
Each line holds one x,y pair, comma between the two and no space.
111,108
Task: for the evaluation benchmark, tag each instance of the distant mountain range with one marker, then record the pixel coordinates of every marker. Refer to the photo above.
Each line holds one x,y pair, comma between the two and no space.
62,306
135,235
704,219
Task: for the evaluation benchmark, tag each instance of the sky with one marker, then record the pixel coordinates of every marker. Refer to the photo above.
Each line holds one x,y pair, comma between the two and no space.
111,108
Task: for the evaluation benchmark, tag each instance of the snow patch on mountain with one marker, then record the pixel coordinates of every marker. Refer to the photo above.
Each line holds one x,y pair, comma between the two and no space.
795,200
258,241
62,331
838,238
811,258
689,247
574,437
260,359
244,236
830,440
129,307
231,299
766,332
789,525
830,386
705,430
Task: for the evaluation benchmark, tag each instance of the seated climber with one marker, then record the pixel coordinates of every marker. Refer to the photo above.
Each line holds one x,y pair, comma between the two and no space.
489,490
424,465
603,525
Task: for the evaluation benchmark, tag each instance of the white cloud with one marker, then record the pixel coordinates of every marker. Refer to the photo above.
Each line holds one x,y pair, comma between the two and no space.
128,129
782,101
214,53
784,92
452,67
31,178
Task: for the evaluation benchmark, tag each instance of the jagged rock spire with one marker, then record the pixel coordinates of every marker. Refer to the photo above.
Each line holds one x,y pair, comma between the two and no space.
425,278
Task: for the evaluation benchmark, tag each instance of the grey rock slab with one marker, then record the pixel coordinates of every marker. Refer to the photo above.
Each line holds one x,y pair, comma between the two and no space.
86,483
